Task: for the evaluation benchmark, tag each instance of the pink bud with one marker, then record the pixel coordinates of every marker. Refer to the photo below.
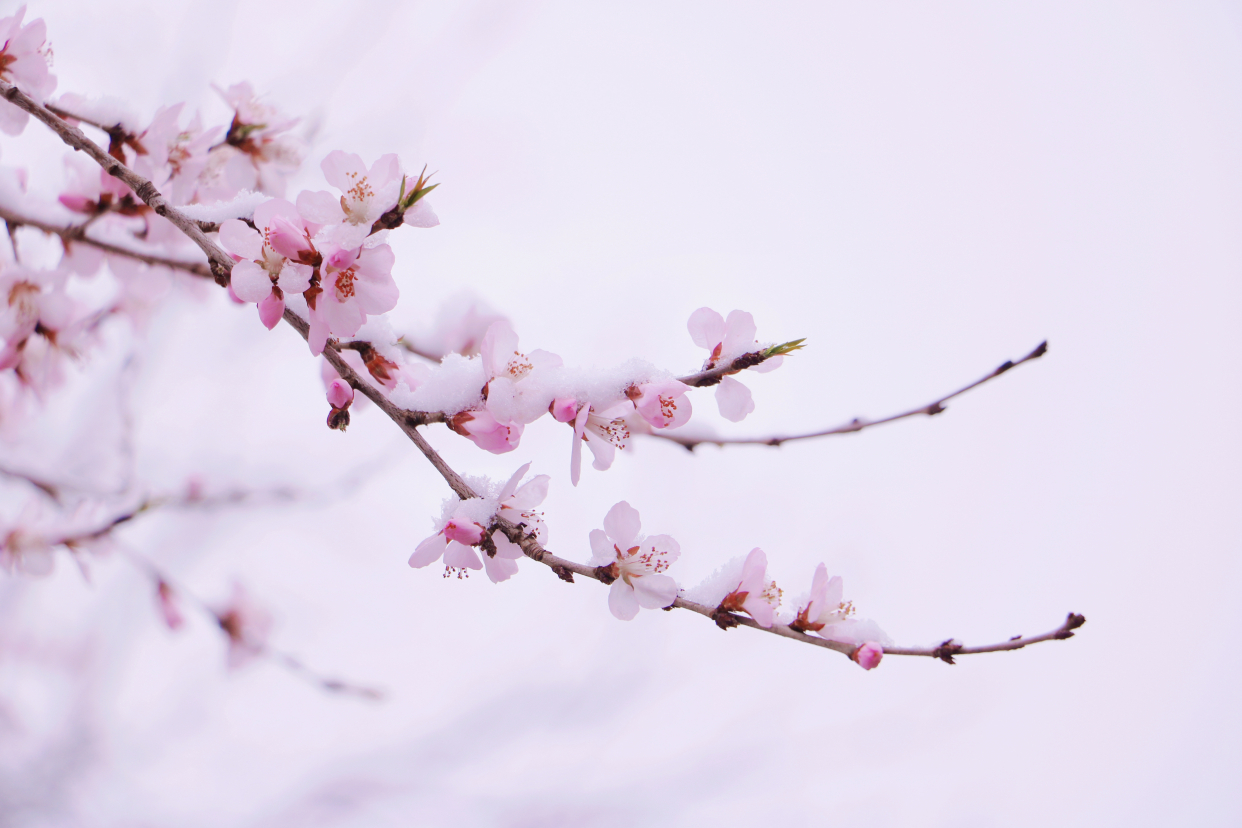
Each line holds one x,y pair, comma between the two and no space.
340,394
563,409
868,655
466,533
270,309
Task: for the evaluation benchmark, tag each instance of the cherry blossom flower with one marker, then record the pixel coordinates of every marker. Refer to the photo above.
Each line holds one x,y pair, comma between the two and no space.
726,340
366,195
661,404
24,61
247,626
518,502
485,431
271,258
355,282
830,617
175,156
637,563
604,432
459,327
512,391
454,541
754,595
257,153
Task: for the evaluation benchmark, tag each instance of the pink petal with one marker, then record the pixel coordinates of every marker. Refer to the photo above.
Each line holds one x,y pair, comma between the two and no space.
320,207
739,333
754,571
868,655
343,169
429,551
512,484
250,282
421,215
622,524
564,409
575,451
666,546
622,601
602,552
461,557
499,569
271,309
769,364
295,278
241,239
534,492
340,394
759,609
707,328
464,531
734,400
506,548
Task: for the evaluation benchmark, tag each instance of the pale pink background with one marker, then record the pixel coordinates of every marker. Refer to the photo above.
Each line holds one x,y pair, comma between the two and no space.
922,191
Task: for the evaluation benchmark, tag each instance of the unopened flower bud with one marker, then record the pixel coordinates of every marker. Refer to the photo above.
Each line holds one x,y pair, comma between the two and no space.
340,394
868,655
563,409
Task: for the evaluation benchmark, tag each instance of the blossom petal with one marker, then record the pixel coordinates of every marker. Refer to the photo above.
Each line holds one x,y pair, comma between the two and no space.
575,451
739,333
499,569
241,239
532,493
271,308
320,207
602,553
769,364
512,484
655,591
734,400
461,556
429,551
250,282
622,601
421,215
622,524
506,548
707,328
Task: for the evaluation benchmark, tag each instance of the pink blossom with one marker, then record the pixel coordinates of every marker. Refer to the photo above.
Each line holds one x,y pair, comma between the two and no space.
453,541
486,432
726,340
256,154
604,432
265,273
635,562
868,655
509,395
661,404
247,626
755,595
421,215
175,156
517,503
829,616
366,194
459,328
24,61
355,282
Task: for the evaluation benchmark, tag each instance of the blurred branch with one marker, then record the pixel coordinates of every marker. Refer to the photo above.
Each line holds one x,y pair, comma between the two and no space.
857,424
76,234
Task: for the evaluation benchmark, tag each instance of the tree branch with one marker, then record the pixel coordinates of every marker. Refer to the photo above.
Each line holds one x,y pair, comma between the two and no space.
408,421
855,425
76,234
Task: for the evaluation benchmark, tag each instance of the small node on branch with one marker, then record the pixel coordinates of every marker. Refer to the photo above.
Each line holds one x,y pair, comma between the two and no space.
338,418
724,619
946,651
487,544
606,574
563,573
934,409
1072,622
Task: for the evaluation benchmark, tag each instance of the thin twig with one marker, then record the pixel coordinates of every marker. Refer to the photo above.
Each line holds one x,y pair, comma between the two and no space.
855,425
76,234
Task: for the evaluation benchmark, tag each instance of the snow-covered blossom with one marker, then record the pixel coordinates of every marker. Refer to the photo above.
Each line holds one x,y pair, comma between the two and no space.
515,390
637,563
826,614
604,432
754,594
366,195
25,59
726,340
246,624
661,404
461,528
274,260
518,502
485,431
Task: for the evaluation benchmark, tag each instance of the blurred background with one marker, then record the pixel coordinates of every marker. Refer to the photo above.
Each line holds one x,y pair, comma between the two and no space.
922,192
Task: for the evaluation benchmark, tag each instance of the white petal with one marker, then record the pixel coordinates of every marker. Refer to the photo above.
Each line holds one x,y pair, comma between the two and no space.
655,591
734,400
499,569
461,556
666,546
622,601
532,493
602,552
511,485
